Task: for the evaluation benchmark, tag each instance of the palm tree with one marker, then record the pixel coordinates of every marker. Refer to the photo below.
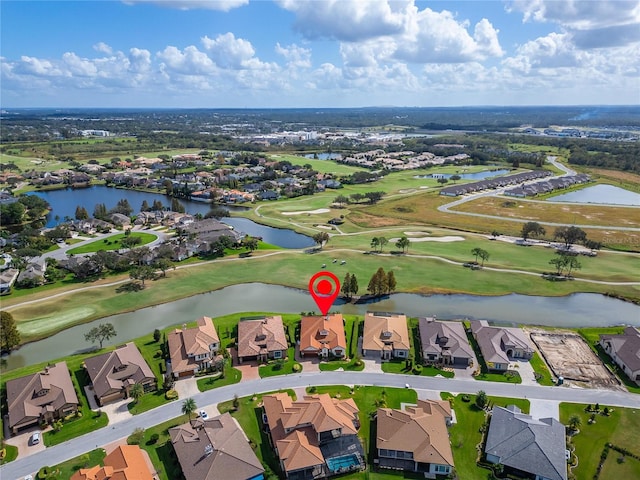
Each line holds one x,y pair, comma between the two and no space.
188,407
136,392
574,422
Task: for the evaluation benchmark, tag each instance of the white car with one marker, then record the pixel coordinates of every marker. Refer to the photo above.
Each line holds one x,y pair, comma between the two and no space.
203,415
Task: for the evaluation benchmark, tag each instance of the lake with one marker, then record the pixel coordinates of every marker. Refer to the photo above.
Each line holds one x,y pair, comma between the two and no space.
468,176
577,310
64,202
324,156
601,194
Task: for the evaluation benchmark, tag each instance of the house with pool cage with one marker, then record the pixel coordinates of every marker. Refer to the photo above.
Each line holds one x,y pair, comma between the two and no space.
316,437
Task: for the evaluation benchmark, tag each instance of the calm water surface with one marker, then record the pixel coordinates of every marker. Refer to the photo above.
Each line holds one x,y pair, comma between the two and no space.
603,194
64,202
470,176
577,310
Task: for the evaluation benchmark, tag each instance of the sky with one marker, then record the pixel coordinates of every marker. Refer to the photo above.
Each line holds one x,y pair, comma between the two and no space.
318,53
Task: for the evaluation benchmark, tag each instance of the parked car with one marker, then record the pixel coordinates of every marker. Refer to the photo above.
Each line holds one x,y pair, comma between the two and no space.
35,438
203,415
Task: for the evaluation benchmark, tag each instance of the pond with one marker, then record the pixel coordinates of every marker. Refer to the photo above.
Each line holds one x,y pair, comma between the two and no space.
468,176
577,310
601,194
64,202
324,156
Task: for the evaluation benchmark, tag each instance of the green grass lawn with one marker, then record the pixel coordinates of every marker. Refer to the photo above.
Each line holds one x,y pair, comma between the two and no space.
621,428
540,368
231,376
10,454
113,242
465,434
161,452
399,366
353,365
281,367
76,427
620,466
89,459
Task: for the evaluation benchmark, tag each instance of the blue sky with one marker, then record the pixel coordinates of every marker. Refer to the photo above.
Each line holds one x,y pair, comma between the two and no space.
318,53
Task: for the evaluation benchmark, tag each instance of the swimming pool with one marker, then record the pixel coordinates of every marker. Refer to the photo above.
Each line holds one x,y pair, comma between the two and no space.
342,463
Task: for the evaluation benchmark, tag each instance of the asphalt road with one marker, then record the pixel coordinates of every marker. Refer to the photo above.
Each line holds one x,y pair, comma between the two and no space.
59,453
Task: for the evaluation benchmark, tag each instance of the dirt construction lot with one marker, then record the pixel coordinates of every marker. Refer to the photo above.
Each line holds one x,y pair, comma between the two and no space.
570,357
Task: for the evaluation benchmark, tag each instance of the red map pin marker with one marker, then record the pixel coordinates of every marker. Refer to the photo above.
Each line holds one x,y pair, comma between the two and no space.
325,290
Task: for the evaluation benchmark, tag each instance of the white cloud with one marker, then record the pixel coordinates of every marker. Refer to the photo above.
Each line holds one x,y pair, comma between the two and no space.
347,20
189,61
103,48
579,14
221,5
296,57
228,51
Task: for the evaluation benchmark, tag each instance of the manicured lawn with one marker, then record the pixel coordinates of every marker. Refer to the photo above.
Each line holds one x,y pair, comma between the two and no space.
510,376
592,336
148,401
231,376
89,459
76,427
621,429
399,366
161,453
355,365
620,466
465,434
540,368
113,242
10,454
281,367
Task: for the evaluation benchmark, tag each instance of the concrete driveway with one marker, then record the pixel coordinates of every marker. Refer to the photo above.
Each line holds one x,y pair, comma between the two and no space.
526,371
23,442
117,411
309,364
250,370
544,408
186,387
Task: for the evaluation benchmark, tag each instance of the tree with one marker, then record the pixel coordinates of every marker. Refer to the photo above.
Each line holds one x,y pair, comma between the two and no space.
217,213
136,437
341,200
442,180
378,283
403,243
12,213
570,235
251,243
391,282
574,264
353,289
102,332
481,399
176,206
346,285
156,335
145,206
484,255
476,253
142,273
356,197
455,178
560,262
100,211
9,334
162,264
382,242
574,422
188,407
81,213
375,243
321,238
532,229
136,392
374,197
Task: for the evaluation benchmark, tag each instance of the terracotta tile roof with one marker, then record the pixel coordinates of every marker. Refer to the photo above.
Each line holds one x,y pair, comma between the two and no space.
28,397
295,425
318,332
111,371
194,341
125,463
383,328
261,335
421,430
230,457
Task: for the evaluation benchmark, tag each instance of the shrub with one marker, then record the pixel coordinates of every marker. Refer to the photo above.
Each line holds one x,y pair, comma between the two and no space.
136,437
417,369
154,438
171,394
466,398
296,367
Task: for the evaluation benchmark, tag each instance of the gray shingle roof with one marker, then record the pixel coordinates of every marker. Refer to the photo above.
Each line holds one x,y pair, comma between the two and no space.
532,445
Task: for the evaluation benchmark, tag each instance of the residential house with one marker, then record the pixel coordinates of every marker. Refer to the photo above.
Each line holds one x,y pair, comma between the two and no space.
215,448
315,437
385,336
499,345
211,230
7,279
416,438
322,336
261,339
193,349
126,462
112,374
44,396
624,349
525,445
33,273
444,343
120,220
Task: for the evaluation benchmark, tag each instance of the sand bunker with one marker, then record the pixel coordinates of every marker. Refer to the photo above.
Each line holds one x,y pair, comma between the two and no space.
416,234
450,238
312,212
